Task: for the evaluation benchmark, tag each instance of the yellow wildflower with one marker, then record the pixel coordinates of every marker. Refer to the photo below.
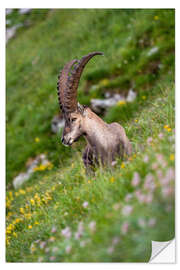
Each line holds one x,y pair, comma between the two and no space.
55,206
143,97
169,129
172,157
29,226
9,228
21,210
36,223
112,179
104,82
7,240
121,102
37,139
27,206
9,214
122,165
29,189
50,166
89,182
166,126
21,191
134,155
28,215
33,248
156,18
136,120
8,204
15,234
10,194
32,201
17,220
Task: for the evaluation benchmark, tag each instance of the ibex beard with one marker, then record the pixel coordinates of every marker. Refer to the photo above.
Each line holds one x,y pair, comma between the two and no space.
105,142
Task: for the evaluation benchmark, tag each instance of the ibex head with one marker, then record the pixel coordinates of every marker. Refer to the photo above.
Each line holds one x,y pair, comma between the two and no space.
67,86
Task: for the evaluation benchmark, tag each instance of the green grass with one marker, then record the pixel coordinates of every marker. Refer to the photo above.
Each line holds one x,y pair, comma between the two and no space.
33,61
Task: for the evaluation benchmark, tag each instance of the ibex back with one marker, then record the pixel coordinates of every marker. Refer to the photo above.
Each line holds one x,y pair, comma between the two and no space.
105,142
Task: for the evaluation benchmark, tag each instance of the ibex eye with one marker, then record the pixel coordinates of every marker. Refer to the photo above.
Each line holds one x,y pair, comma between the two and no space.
73,119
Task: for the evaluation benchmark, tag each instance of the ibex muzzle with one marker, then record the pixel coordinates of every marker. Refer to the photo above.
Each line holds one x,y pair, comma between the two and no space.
105,141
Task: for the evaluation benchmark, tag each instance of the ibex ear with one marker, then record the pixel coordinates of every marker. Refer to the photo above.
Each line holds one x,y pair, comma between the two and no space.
80,108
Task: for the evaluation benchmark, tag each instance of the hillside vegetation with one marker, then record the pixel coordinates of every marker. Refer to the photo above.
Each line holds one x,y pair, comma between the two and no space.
61,214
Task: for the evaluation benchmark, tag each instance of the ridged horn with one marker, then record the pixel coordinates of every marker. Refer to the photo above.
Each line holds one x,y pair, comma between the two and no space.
68,82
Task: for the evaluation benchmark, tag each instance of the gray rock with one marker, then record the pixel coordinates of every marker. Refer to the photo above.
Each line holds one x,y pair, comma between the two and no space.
30,164
20,179
57,123
131,96
9,11
8,22
152,51
24,10
11,32
102,104
98,105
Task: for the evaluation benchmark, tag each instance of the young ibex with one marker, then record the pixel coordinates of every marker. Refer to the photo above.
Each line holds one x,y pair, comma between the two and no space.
105,141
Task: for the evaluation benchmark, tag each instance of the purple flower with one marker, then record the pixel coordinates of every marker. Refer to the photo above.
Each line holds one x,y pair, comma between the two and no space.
113,163
85,204
92,226
110,250
78,235
166,191
149,182
160,135
55,249
125,227
168,208
136,179
53,230
159,174
115,240
161,160
52,258
152,222
127,209
128,197
149,140
140,196
154,166
68,249
66,232
42,244
148,198
146,158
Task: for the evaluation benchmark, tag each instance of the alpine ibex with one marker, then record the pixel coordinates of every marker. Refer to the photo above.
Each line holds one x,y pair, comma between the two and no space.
105,141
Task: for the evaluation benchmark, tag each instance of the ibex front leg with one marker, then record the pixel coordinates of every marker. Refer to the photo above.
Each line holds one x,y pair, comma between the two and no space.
88,159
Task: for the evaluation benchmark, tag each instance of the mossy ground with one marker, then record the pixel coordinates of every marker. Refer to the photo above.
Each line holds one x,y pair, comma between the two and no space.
139,54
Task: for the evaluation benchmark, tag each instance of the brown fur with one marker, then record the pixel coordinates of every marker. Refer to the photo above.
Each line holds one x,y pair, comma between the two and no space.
105,142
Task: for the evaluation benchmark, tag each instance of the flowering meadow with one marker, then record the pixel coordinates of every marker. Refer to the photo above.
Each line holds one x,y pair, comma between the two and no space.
60,214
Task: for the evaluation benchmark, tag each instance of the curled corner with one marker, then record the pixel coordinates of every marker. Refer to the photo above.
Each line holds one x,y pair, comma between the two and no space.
157,250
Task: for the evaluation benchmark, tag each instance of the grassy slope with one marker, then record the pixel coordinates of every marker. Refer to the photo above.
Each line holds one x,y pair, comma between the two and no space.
33,61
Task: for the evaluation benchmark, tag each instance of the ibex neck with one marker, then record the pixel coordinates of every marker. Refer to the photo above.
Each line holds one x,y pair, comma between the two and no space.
95,131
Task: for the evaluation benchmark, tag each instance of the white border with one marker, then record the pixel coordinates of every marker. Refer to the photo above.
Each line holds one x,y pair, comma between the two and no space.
75,4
